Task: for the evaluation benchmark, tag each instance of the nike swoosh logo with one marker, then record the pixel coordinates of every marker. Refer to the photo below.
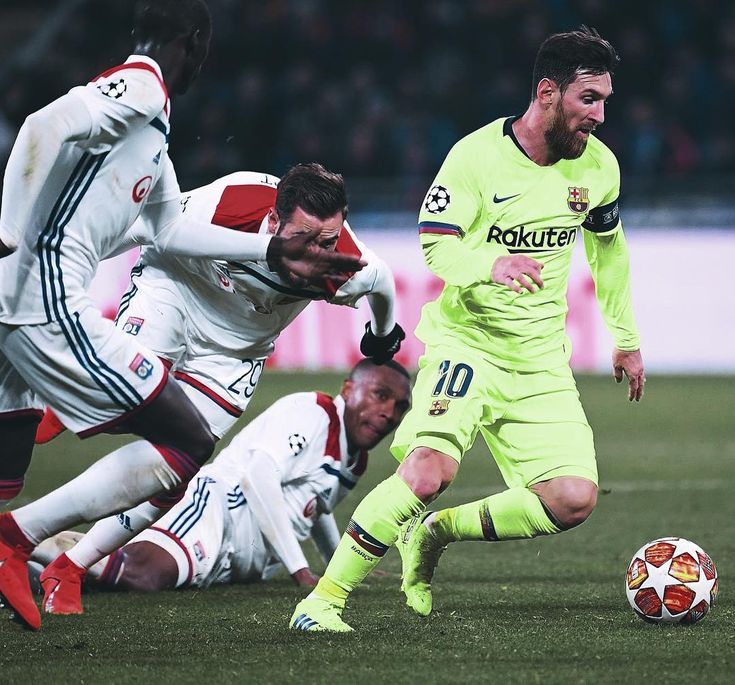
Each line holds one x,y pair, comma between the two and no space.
497,199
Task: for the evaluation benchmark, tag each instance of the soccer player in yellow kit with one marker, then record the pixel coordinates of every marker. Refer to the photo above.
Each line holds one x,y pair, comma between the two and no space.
505,208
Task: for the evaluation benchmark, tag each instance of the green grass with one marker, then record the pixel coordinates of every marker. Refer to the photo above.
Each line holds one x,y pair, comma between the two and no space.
551,610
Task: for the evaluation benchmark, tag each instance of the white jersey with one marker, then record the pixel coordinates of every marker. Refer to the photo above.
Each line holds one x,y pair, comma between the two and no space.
304,435
214,534
95,190
241,308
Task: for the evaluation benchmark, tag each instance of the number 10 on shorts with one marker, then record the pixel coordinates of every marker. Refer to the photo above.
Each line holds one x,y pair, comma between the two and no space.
454,381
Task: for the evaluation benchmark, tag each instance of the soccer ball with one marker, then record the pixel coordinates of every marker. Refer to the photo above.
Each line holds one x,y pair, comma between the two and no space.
437,200
671,580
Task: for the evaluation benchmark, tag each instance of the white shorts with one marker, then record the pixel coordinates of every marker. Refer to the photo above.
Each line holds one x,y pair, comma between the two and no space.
216,380
200,535
90,374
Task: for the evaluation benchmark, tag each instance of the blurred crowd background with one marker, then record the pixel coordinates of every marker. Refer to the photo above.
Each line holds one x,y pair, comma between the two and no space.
381,89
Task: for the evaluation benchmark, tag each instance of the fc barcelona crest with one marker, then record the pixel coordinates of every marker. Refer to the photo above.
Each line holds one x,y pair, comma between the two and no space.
439,407
579,199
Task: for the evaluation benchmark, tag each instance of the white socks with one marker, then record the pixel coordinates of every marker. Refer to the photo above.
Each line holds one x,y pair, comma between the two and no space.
112,533
118,481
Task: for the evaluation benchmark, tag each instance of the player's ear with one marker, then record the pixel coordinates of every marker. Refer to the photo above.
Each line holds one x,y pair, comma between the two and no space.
545,91
346,390
273,220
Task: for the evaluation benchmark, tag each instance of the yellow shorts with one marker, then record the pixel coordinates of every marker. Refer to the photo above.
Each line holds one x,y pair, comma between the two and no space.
533,422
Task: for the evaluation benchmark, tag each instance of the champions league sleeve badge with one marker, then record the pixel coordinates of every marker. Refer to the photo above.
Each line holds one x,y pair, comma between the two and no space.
437,200
113,89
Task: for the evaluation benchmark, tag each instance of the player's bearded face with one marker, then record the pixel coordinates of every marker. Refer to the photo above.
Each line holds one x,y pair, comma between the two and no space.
563,137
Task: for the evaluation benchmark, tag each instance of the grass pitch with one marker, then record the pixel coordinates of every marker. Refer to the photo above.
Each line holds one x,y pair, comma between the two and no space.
550,610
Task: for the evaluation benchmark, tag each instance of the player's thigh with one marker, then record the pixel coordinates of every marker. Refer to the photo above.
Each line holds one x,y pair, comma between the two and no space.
218,383
90,373
20,412
192,532
455,391
153,311
17,399
544,433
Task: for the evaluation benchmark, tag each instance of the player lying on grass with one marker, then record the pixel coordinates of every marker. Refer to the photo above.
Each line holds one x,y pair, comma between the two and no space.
215,323
274,486
507,203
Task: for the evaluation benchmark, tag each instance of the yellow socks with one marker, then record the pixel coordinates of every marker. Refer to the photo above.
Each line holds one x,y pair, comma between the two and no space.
514,514
371,531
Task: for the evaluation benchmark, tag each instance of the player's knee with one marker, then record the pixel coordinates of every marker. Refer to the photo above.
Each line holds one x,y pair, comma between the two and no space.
147,568
201,445
427,472
575,501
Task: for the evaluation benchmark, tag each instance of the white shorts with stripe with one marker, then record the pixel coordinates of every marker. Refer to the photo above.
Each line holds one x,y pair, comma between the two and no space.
91,374
206,543
217,380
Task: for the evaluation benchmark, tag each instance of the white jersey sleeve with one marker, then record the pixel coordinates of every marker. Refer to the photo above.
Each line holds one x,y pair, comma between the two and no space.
123,99
166,225
34,153
261,485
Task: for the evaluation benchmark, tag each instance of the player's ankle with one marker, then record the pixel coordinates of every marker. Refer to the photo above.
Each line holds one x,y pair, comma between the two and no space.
329,591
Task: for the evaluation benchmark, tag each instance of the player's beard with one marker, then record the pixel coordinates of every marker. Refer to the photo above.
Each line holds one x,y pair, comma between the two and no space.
563,142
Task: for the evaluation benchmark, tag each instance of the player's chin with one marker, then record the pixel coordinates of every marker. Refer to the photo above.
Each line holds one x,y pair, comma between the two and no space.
576,149
365,436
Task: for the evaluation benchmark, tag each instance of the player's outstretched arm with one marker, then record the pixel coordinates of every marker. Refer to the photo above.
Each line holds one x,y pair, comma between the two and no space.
164,226
630,363
383,335
33,155
261,485
326,535
609,263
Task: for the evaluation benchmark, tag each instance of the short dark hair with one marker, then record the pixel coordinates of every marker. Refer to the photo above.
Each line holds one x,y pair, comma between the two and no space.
162,21
310,186
367,363
563,56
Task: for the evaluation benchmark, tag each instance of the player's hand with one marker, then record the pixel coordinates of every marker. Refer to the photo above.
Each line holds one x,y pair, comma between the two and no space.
630,363
304,578
301,261
518,271
381,349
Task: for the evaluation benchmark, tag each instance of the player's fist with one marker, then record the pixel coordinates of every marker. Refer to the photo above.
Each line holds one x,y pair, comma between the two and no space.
304,578
518,271
381,349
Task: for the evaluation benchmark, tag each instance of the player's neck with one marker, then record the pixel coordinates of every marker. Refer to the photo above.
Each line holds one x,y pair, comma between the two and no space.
168,59
529,132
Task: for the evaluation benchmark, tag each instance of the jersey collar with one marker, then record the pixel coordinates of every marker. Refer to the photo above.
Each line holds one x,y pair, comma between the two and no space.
508,131
147,60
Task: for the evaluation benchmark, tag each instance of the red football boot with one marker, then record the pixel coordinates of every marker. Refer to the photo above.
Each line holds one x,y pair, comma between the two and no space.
15,590
62,587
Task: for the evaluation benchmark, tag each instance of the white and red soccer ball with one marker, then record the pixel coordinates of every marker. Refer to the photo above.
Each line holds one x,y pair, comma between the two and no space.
671,580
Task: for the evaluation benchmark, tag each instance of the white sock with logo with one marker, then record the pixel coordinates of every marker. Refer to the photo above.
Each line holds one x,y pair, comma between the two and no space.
113,532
